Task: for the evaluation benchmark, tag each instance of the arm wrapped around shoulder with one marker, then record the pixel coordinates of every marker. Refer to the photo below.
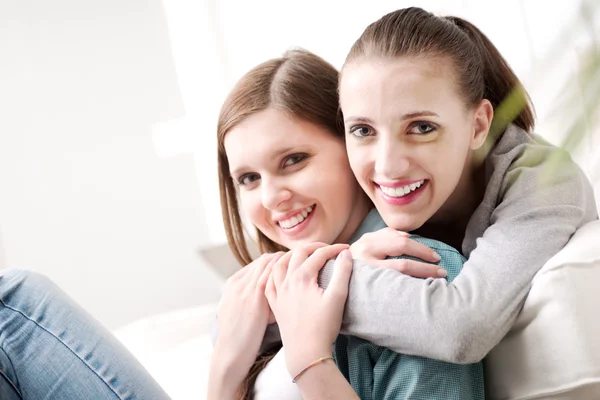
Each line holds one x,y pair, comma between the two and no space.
531,209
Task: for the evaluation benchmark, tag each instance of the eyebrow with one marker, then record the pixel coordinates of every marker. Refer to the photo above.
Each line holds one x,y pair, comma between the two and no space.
418,114
404,117
276,154
279,152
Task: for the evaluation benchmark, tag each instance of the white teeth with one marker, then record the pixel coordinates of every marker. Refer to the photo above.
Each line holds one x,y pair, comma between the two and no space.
401,191
296,219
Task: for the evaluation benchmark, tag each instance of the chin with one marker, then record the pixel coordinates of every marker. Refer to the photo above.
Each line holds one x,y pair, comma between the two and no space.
405,223
292,244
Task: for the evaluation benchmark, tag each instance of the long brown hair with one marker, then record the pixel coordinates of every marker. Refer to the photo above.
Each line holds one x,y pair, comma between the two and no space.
246,389
300,83
481,71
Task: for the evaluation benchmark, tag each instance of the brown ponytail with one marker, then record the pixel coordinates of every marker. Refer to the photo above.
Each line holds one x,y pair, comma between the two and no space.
500,82
481,71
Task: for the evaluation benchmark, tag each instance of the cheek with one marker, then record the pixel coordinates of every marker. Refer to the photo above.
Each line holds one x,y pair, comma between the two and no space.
329,181
339,188
358,157
251,207
447,167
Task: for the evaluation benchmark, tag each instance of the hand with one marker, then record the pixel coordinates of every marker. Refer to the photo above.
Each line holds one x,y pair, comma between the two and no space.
374,247
309,317
243,316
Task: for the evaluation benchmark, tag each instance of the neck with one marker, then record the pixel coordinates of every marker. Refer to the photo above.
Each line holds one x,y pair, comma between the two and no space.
449,224
360,210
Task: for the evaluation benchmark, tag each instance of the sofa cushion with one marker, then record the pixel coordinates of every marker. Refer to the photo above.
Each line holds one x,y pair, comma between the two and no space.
553,350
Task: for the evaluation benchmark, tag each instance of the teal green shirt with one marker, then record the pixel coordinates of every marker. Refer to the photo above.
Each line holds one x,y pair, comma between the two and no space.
377,373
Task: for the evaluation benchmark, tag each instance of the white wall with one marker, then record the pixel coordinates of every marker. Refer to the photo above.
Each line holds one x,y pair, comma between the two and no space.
107,126
84,198
2,256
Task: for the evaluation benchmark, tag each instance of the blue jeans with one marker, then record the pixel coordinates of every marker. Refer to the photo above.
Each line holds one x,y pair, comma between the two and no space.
51,349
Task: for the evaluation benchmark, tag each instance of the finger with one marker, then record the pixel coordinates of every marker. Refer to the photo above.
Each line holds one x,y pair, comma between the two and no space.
311,267
342,270
401,246
412,268
302,253
259,265
271,291
250,269
280,268
246,270
266,273
237,276
370,243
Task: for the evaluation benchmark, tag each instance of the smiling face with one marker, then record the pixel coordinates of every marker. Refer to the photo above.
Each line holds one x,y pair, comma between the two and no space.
410,137
294,180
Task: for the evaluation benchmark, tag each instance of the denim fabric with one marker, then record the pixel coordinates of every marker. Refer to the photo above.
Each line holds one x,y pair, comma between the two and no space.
51,349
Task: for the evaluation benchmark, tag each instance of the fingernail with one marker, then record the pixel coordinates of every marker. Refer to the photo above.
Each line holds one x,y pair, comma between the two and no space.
436,256
442,273
345,254
404,234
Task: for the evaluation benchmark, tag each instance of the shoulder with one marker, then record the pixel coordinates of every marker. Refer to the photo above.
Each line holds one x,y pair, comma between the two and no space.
451,259
519,149
440,247
527,166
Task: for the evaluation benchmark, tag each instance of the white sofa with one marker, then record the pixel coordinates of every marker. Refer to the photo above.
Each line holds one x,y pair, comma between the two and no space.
553,349
175,348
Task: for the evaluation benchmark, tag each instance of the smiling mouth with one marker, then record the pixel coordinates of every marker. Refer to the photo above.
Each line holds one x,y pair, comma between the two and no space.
402,191
296,219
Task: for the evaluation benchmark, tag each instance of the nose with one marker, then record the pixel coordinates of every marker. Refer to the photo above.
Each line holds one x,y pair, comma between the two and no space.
274,193
392,158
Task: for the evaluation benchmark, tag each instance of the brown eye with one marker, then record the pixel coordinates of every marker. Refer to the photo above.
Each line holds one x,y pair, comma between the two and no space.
294,159
361,131
422,128
247,179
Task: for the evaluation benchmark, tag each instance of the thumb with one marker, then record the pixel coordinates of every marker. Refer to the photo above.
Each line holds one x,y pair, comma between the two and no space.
342,270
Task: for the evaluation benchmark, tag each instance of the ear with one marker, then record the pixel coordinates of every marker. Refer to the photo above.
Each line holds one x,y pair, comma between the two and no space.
482,121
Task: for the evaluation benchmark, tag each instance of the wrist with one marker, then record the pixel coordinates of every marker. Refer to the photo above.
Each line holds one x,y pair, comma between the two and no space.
301,359
311,365
221,386
226,375
317,370
324,380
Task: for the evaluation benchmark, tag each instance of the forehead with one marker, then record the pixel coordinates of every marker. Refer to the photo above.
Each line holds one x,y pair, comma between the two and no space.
401,82
260,138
